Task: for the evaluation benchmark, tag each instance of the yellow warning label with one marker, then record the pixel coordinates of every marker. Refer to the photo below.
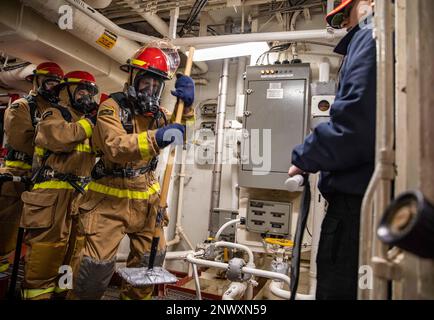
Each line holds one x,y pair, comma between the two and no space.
107,40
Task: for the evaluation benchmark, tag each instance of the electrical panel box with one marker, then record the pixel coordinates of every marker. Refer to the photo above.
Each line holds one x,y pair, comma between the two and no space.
269,217
275,120
219,217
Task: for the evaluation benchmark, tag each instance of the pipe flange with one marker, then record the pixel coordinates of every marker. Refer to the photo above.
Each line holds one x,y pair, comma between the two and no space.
234,271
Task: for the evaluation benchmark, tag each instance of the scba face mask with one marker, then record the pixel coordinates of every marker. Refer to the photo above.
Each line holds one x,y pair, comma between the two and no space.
47,89
146,93
85,102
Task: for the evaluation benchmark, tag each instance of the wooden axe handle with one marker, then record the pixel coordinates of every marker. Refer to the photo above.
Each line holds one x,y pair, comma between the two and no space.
179,112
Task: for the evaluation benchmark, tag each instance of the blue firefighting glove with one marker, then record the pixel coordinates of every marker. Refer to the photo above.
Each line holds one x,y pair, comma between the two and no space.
172,133
184,86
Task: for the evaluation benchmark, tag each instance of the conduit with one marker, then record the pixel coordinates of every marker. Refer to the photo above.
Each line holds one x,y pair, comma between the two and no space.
379,192
219,139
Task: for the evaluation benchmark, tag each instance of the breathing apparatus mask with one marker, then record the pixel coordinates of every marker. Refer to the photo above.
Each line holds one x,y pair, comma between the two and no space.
82,99
145,93
46,88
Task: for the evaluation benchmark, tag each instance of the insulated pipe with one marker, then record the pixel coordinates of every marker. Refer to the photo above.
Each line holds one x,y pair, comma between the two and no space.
103,21
235,291
6,77
276,289
223,227
248,270
196,282
219,139
265,36
154,20
232,245
50,42
99,4
87,28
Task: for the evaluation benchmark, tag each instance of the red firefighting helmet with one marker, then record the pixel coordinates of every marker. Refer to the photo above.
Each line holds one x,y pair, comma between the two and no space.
48,69
80,77
155,61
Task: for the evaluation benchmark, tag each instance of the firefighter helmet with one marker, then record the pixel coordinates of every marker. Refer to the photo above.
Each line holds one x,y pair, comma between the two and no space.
48,69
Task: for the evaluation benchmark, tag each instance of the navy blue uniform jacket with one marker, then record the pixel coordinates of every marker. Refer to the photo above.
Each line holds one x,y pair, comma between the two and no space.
343,149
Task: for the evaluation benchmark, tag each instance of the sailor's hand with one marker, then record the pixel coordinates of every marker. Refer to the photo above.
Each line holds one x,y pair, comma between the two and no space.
293,171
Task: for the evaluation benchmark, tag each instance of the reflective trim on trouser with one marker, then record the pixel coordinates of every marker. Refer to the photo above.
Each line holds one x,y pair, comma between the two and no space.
93,278
124,193
34,294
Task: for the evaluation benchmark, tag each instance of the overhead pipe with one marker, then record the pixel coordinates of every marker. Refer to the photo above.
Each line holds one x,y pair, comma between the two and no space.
107,23
154,20
99,4
6,77
328,34
21,23
86,27
219,139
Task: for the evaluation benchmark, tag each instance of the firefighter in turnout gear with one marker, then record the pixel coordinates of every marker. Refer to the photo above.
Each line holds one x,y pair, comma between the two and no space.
123,196
19,127
65,160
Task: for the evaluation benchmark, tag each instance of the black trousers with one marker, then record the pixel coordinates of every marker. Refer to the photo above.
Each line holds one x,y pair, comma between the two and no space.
338,252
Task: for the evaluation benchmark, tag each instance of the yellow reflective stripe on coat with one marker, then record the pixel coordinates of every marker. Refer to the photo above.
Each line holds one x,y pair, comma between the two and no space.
40,151
143,145
83,148
18,164
124,193
54,184
33,293
86,126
